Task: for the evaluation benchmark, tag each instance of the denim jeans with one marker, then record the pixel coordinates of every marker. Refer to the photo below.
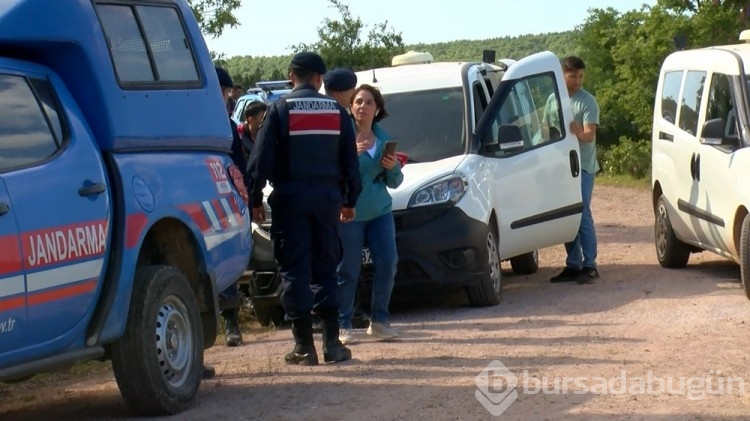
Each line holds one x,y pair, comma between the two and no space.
379,235
582,250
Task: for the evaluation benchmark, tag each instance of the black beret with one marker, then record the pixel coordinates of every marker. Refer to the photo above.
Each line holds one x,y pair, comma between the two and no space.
224,79
309,61
340,80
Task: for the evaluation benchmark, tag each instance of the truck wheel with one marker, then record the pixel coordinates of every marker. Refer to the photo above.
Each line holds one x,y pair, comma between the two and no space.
268,312
745,255
525,264
158,363
670,251
488,290
269,315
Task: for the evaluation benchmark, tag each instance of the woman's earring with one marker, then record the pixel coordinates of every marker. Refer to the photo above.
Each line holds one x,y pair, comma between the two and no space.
377,112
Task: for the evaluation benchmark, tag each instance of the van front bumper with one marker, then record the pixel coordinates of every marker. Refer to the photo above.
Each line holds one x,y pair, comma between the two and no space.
439,246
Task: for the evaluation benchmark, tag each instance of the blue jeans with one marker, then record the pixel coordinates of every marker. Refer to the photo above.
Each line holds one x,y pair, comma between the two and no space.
379,235
582,250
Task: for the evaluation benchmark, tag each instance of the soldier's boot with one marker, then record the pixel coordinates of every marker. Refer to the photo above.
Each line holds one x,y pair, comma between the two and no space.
304,352
333,350
232,327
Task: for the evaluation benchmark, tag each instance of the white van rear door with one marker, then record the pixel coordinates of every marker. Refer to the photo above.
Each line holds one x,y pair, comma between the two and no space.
533,162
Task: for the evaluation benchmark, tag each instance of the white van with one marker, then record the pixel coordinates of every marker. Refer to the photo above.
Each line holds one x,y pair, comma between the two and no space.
486,180
701,153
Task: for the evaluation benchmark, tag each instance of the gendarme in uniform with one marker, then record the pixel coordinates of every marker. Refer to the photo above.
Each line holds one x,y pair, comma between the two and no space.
306,149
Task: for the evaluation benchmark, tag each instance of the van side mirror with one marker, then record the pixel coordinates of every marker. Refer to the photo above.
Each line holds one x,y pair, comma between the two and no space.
509,139
713,133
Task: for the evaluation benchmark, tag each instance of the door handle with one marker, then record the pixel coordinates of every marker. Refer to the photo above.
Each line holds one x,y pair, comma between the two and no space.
692,167
92,189
575,168
4,208
666,136
698,167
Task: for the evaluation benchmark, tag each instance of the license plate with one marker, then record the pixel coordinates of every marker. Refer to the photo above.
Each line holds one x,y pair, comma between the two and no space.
366,256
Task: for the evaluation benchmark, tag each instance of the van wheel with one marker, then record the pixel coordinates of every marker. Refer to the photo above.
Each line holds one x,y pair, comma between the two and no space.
745,255
488,290
670,251
158,363
525,264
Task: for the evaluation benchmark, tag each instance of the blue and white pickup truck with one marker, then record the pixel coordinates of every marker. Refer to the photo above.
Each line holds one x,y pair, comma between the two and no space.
122,216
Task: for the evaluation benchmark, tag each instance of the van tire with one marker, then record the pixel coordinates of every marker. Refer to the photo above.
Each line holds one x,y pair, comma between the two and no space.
488,290
670,251
525,264
163,317
745,255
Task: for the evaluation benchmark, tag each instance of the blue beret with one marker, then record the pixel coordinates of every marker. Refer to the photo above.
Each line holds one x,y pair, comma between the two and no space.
224,79
340,80
309,61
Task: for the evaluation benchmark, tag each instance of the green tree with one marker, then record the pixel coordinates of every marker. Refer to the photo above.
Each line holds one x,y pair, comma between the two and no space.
624,52
341,43
214,15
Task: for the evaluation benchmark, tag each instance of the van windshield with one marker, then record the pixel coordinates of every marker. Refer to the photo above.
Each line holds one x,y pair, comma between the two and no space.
428,125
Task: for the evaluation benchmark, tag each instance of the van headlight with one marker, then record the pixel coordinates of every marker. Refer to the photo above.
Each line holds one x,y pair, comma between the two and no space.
448,189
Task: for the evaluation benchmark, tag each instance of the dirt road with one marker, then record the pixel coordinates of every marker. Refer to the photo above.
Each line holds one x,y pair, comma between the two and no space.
642,343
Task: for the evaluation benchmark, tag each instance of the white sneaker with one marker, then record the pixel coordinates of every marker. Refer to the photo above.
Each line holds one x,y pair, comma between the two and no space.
346,336
382,330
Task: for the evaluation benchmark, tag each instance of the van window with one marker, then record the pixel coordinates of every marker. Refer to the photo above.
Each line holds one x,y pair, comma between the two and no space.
428,125
669,94
720,103
692,94
533,104
148,44
25,135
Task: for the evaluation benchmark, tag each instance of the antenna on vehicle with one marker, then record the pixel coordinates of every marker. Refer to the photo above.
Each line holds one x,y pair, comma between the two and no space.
374,79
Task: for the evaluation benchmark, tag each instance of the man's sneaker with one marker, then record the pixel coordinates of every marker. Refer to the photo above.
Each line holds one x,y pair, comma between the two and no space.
346,336
587,276
568,274
382,330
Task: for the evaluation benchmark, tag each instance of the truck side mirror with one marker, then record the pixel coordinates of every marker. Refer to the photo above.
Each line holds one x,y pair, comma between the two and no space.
509,139
713,133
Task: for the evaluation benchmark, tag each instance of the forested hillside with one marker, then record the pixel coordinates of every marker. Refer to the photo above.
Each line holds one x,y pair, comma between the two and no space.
247,70
623,52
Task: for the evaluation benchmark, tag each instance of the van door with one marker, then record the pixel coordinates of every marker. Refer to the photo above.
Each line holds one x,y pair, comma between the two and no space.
718,167
12,286
56,181
685,155
533,167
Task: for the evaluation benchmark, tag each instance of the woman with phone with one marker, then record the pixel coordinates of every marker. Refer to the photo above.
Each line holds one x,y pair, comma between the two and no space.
373,225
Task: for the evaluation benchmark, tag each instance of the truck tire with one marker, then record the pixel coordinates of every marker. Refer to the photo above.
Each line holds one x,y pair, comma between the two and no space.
158,363
745,255
488,290
268,313
670,251
525,264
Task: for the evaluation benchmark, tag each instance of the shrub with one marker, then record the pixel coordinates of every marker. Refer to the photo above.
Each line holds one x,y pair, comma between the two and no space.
627,157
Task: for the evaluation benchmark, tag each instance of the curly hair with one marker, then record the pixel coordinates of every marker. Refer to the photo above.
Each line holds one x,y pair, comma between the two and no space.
377,96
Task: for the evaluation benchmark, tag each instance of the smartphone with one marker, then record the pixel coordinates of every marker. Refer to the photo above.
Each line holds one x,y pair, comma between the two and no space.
390,147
